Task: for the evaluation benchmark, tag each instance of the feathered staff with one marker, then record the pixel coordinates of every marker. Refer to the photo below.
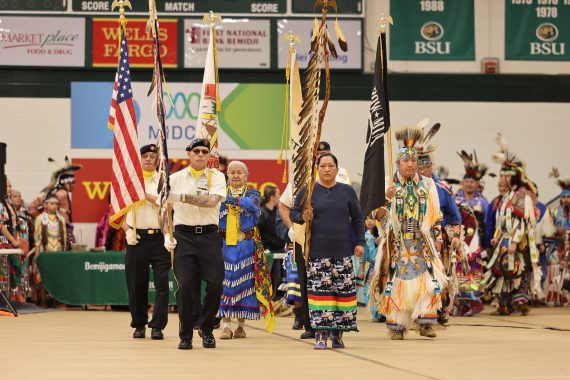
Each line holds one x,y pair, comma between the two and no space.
165,212
310,118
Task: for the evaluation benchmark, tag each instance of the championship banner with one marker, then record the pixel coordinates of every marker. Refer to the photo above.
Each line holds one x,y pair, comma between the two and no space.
242,43
43,41
93,183
537,30
105,36
438,30
248,109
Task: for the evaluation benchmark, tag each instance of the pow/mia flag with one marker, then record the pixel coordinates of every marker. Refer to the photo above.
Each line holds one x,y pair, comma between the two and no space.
372,192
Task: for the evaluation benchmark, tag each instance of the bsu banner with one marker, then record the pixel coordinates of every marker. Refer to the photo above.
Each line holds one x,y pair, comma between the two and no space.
435,30
537,31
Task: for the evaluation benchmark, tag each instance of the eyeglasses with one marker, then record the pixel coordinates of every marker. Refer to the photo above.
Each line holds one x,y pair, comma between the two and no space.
203,151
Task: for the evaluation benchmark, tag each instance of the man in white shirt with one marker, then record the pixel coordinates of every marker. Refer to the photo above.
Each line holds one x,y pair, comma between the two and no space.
144,248
196,193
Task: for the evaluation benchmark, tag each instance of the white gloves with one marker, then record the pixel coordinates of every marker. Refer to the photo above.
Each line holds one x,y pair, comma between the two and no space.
132,238
291,234
169,243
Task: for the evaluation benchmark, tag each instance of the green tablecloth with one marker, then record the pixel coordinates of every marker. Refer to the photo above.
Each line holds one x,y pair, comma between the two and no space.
93,278
83,278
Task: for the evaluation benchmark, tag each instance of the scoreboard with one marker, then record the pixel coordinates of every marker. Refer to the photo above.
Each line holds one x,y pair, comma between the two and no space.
251,7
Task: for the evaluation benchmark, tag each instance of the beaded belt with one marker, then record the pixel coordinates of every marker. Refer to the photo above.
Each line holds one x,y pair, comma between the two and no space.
245,235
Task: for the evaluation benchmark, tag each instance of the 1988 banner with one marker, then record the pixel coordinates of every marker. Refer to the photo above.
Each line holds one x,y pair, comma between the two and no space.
440,30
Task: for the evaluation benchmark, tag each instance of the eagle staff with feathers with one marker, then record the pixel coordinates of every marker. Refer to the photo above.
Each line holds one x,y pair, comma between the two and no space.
311,118
156,86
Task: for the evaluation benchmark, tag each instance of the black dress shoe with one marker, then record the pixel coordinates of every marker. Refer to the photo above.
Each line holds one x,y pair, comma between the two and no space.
156,334
139,333
208,340
310,334
185,344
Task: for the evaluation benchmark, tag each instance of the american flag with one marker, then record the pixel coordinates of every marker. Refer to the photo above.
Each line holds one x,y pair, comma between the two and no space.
127,185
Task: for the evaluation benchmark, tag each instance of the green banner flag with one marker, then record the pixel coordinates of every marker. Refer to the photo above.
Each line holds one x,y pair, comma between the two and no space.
438,30
537,30
83,278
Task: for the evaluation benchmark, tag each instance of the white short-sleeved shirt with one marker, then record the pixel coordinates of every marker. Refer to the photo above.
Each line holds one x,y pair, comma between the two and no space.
183,182
146,214
287,196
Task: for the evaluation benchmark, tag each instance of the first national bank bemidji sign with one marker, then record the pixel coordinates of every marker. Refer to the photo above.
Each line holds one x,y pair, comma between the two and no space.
141,46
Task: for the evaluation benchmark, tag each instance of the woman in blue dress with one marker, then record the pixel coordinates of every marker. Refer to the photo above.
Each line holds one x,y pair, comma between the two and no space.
245,266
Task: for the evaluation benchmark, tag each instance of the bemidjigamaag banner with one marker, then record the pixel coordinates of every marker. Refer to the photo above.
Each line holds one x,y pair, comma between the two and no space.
434,30
537,30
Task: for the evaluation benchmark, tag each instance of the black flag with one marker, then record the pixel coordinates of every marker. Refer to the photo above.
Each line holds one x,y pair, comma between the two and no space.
372,192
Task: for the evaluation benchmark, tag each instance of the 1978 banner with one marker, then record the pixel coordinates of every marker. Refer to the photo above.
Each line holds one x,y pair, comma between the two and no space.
537,30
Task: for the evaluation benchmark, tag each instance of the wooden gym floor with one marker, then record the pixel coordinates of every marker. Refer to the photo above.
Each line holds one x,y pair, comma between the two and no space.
98,345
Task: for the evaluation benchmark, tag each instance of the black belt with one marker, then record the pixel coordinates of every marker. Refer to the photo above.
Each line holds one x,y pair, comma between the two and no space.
196,230
149,231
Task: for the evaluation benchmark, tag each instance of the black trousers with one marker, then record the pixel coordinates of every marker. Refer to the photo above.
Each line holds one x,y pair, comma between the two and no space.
302,270
198,257
149,251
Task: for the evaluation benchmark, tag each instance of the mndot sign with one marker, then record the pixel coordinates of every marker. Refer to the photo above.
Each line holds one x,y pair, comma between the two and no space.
266,7
251,117
537,30
440,30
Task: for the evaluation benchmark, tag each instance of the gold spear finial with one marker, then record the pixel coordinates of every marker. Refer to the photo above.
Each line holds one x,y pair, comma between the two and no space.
291,38
150,25
383,22
212,18
121,4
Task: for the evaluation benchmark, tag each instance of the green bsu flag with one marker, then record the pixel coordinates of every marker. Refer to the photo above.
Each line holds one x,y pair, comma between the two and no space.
537,30
438,30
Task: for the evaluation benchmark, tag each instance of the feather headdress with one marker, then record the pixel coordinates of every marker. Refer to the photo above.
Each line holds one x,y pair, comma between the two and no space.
424,145
66,173
563,183
508,160
413,137
511,165
473,168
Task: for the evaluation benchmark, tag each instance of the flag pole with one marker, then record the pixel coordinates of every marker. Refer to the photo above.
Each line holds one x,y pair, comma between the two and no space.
383,21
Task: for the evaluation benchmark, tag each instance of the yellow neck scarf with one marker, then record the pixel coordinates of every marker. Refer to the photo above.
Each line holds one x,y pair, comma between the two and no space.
232,223
196,173
147,175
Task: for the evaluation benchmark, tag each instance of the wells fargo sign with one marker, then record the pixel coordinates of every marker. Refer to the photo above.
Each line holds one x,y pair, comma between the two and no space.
93,184
141,53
